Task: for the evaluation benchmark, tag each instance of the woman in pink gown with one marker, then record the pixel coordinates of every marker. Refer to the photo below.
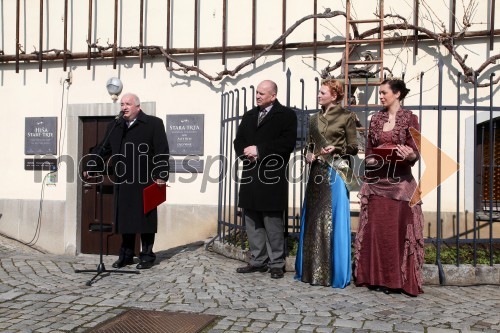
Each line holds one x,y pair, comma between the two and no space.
389,246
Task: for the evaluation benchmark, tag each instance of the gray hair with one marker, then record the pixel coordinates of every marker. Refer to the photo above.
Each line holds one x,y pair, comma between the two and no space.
137,101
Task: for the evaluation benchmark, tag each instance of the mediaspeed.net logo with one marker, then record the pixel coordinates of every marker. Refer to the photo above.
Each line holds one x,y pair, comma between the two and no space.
438,166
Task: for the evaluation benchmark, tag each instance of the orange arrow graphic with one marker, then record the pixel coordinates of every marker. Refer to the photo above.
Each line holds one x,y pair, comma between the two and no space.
438,166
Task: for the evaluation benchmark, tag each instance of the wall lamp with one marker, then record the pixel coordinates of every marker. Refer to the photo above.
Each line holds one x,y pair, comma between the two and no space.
114,87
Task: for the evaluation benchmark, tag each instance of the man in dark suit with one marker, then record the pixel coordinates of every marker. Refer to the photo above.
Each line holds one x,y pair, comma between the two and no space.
266,136
138,151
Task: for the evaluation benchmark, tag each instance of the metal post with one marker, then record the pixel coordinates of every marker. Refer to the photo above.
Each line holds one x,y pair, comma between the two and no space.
226,179
65,57
141,33
224,32
492,24
442,278
317,91
253,95
315,33
18,13
453,16
89,34
195,42
474,217
40,54
415,22
283,29
222,165
288,86
236,122
420,120
230,152
457,242
169,15
492,162
254,26
115,33
222,172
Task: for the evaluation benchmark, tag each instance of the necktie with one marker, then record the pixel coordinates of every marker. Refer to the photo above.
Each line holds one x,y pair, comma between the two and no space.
262,114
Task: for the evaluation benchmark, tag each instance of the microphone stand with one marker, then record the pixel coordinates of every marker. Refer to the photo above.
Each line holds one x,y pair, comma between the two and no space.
100,267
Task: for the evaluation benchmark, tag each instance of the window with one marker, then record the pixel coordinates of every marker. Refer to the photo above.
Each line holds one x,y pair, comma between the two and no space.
489,165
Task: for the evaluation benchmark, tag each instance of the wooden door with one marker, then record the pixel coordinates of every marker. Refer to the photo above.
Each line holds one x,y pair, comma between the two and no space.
94,129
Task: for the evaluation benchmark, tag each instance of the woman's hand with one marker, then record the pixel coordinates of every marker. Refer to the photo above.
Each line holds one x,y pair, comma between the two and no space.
406,152
327,150
370,161
310,158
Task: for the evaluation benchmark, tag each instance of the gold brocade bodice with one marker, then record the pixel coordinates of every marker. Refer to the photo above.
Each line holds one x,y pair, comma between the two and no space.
336,127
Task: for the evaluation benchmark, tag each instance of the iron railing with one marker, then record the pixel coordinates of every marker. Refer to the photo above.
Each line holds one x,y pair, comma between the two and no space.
435,120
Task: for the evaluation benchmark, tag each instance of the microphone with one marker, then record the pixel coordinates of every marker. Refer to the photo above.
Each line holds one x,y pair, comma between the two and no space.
119,115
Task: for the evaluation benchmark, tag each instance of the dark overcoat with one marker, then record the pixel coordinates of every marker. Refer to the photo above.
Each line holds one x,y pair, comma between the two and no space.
139,155
264,183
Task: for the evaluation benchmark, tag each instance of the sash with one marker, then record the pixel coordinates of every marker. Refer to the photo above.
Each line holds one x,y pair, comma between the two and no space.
352,182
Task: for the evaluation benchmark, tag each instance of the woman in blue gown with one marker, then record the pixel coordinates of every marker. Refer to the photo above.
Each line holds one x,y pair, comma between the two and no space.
324,253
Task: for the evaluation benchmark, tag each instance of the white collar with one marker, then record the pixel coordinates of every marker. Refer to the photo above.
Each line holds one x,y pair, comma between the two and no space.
267,109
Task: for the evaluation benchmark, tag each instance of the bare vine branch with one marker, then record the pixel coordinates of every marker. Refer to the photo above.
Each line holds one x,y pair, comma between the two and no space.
442,38
186,68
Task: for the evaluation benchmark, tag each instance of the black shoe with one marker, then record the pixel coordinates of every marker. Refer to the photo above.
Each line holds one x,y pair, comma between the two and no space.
122,263
374,288
250,269
388,291
145,265
276,273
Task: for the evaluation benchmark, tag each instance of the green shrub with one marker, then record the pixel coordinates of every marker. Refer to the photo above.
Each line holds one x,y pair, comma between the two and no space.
448,253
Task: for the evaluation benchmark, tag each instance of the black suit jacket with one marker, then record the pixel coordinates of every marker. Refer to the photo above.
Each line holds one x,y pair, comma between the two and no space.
139,154
264,183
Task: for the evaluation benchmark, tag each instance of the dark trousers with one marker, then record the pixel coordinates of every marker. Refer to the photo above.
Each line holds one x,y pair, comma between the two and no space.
127,251
266,238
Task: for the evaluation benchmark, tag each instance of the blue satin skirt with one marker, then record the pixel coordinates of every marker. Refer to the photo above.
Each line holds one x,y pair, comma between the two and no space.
324,252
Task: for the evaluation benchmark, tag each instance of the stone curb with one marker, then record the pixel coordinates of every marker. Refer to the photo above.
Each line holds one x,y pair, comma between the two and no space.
463,275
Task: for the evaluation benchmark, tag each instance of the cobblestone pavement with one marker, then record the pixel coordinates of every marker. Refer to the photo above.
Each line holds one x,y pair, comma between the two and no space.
42,293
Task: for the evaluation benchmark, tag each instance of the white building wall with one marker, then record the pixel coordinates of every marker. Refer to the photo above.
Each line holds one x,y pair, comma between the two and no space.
43,94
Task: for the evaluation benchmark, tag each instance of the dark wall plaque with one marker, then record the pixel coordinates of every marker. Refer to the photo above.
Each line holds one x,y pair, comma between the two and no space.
40,163
185,134
187,165
40,135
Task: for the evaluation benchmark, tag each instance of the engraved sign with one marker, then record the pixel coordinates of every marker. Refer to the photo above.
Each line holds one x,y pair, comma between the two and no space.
40,136
187,165
185,134
40,163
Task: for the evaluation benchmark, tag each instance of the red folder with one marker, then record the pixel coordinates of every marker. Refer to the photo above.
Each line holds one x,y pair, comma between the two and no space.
153,195
384,150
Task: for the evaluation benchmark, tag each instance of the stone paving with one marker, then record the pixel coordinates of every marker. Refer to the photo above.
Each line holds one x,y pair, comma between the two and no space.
42,293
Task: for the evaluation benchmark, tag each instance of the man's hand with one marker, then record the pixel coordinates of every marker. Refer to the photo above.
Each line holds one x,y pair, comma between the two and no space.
250,152
160,182
89,175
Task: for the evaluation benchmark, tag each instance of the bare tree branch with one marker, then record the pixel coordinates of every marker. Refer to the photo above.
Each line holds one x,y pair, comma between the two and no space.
186,68
442,38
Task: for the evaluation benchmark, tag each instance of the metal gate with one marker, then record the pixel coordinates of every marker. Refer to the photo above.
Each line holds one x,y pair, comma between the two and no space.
479,226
